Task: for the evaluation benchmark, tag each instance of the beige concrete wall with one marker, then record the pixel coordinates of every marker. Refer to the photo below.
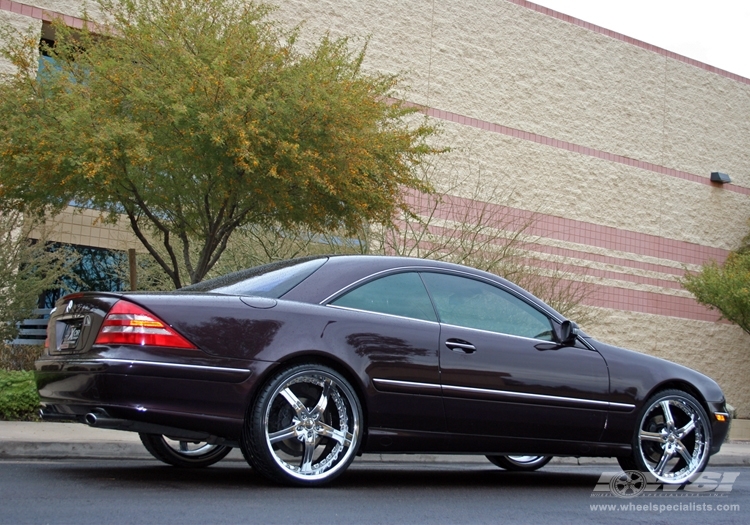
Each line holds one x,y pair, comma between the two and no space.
505,64
75,8
496,61
87,227
576,186
18,23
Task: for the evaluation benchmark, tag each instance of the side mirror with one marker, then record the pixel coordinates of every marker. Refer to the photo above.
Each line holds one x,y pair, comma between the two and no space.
568,333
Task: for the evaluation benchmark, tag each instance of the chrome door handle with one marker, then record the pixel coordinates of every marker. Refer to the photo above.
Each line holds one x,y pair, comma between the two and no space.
459,345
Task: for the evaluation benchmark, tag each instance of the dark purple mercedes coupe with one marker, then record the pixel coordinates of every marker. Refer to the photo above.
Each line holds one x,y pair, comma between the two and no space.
306,363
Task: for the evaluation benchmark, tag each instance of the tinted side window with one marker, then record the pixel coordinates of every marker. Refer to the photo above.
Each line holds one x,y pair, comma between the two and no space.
401,294
466,302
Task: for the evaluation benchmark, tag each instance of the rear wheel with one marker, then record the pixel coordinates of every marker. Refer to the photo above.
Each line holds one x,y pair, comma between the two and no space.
181,453
520,463
305,426
673,439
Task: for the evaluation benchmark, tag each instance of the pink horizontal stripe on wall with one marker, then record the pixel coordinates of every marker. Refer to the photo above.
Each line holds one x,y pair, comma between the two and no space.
573,268
623,38
648,303
583,150
629,300
605,259
575,231
39,13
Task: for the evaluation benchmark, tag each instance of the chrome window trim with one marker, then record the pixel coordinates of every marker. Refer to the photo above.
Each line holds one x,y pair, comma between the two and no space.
373,312
537,341
542,308
370,277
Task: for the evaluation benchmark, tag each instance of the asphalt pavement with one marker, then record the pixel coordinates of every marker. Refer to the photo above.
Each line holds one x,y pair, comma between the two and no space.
32,440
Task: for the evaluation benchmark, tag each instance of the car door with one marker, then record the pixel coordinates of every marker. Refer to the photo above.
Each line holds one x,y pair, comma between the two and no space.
391,325
501,373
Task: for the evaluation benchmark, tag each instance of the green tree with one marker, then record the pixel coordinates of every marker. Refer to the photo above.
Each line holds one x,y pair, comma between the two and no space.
27,268
197,118
725,287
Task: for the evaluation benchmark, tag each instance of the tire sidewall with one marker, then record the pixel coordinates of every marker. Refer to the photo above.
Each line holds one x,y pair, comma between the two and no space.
158,447
257,450
672,394
507,463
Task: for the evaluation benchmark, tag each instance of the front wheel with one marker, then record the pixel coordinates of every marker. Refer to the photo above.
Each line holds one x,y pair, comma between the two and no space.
673,439
305,426
182,453
520,463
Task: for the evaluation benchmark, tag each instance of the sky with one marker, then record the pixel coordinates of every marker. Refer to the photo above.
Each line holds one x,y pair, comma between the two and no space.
716,32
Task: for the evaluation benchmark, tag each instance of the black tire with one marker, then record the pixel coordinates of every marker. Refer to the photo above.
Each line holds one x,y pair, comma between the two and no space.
305,426
520,463
672,441
182,453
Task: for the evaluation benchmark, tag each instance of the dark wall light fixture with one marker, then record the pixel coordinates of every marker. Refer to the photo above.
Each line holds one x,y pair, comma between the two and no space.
721,178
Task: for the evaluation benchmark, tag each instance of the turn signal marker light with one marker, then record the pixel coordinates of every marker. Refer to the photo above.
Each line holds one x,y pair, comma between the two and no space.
129,324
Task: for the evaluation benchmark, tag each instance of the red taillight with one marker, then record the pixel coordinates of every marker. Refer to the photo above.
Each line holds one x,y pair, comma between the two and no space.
128,324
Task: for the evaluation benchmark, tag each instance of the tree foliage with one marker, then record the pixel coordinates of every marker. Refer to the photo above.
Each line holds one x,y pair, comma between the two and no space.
27,268
725,287
197,118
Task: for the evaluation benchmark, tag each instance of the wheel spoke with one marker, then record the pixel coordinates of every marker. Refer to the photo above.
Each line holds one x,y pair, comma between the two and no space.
659,469
320,407
687,429
343,438
685,454
307,457
281,435
299,408
667,413
651,436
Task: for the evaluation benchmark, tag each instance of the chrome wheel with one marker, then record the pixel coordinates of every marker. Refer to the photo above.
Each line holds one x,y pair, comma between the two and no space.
673,439
305,427
181,453
520,463
190,448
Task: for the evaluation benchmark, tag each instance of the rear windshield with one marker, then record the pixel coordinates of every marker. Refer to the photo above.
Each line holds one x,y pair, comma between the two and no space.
270,280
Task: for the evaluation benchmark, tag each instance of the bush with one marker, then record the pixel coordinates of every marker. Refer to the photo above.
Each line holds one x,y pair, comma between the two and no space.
18,396
19,357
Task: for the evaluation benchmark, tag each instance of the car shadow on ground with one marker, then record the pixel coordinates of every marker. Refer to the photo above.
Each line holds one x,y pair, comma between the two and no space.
358,476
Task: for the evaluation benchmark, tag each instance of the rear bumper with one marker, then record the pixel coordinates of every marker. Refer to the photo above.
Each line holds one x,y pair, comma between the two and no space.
100,418
191,400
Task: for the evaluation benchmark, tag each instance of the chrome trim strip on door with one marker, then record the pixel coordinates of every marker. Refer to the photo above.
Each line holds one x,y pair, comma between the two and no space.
172,365
410,387
407,387
505,395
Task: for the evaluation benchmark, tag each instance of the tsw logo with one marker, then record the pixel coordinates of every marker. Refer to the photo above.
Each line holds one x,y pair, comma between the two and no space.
632,483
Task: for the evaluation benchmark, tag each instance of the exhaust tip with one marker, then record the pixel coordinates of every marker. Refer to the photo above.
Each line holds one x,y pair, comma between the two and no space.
90,419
